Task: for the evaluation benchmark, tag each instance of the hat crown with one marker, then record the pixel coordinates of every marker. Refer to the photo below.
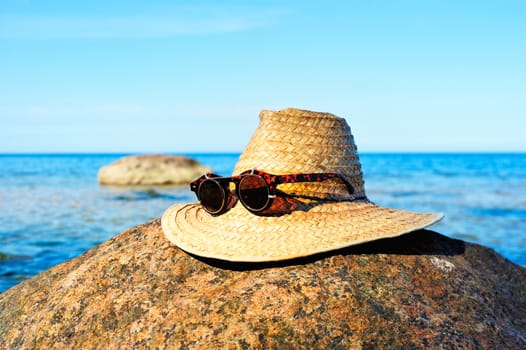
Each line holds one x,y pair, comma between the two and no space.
293,141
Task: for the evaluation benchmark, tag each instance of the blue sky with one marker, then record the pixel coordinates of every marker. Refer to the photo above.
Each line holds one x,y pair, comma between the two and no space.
187,76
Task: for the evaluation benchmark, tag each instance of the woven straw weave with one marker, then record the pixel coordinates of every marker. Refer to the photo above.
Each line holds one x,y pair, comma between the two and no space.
295,141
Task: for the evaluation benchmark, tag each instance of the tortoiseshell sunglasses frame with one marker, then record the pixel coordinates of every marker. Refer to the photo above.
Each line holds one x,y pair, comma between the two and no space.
271,180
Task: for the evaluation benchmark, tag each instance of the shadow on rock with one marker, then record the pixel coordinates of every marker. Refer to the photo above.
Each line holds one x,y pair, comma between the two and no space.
421,242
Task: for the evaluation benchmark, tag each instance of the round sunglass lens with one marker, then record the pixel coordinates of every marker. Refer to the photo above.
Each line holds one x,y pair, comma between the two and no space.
254,192
211,196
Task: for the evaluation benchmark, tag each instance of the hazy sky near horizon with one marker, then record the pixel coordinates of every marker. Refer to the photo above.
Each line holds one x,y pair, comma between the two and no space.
186,76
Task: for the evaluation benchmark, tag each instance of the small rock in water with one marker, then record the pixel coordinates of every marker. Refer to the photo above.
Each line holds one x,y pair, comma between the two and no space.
154,169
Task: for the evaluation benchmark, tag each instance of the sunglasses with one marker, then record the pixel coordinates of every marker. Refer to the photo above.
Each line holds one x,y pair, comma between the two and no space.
255,189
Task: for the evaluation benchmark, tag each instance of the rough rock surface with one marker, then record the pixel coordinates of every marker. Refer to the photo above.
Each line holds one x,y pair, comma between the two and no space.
421,290
151,169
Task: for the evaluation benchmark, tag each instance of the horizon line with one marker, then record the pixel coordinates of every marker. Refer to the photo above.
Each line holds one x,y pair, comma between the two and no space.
80,153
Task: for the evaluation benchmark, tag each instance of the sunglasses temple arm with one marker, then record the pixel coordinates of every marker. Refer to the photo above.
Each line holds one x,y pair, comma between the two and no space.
280,179
350,187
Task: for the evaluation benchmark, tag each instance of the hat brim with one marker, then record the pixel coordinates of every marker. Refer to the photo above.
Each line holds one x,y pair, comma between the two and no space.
239,235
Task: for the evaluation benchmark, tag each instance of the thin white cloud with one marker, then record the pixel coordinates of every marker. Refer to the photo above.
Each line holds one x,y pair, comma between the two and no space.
51,27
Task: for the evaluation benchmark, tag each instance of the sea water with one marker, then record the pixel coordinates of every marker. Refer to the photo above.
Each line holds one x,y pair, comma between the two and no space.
52,208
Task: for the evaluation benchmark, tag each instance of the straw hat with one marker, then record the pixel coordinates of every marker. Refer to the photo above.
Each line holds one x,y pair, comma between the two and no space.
325,215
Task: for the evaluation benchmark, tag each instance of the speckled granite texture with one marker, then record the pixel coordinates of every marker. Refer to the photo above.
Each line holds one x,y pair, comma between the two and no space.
137,291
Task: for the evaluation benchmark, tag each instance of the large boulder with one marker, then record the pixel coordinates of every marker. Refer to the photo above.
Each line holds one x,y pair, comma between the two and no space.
138,291
151,169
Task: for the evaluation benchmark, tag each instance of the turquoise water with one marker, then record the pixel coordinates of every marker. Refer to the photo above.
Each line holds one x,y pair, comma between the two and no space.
52,208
